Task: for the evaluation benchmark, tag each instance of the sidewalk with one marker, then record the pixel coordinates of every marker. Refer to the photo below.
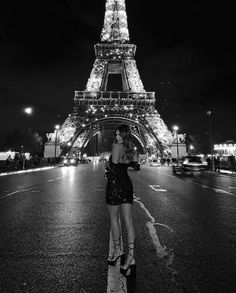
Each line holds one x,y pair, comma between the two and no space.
228,172
26,171
14,169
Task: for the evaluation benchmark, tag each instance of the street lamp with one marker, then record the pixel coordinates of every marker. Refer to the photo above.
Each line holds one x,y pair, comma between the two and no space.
210,134
28,110
176,128
57,127
191,148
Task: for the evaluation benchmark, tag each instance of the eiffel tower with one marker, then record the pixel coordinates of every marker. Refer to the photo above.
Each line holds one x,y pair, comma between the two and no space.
98,111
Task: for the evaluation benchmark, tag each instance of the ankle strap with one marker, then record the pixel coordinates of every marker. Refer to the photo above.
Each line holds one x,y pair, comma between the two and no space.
129,246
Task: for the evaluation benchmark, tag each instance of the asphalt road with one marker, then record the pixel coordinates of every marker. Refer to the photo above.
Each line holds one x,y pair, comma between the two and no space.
54,232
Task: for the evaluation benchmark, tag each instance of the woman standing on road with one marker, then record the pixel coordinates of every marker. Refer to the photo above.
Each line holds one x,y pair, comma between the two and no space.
119,196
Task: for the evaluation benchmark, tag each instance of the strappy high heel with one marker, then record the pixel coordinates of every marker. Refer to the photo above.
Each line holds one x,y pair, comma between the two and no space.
118,252
129,265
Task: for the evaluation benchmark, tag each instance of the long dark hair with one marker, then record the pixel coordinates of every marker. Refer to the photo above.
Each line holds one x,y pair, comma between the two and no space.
125,133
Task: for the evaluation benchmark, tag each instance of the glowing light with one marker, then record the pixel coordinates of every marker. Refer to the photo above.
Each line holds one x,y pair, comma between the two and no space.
175,128
28,110
115,26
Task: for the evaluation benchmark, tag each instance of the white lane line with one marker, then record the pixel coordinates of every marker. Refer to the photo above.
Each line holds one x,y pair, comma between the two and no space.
14,192
115,281
163,225
232,187
164,173
204,186
157,188
222,191
218,190
50,180
161,251
57,178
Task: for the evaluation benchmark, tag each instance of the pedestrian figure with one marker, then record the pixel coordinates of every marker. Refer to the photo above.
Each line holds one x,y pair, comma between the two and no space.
217,164
119,196
209,162
17,161
9,160
232,163
168,161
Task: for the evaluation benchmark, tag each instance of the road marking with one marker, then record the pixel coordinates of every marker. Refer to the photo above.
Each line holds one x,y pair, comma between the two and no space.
161,251
50,180
204,186
218,190
163,225
164,173
222,191
116,282
14,192
157,188
232,187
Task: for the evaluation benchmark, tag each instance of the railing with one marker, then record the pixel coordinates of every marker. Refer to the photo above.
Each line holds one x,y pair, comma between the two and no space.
109,51
83,98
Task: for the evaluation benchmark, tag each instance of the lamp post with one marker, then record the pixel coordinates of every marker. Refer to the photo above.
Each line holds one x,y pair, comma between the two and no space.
191,148
176,128
28,111
57,127
69,144
211,144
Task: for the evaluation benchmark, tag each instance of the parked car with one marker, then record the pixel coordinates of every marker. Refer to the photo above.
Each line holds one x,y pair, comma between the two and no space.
135,165
189,164
142,161
155,163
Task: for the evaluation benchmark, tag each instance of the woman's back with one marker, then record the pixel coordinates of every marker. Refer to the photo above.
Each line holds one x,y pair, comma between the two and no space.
118,154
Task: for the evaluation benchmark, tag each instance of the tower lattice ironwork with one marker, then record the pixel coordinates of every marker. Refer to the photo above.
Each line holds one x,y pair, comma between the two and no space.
97,109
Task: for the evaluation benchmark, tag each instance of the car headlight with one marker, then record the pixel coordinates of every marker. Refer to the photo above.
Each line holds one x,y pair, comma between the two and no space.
72,161
65,161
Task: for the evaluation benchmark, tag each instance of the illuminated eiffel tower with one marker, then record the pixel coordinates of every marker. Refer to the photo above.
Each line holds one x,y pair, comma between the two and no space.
98,111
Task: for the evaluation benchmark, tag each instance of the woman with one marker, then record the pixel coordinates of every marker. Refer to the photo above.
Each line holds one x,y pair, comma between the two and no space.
119,196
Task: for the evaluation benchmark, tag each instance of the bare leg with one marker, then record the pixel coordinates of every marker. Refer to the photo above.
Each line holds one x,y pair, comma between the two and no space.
114,213
127,211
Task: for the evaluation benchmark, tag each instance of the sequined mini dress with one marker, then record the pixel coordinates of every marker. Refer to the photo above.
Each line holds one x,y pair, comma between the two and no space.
119,187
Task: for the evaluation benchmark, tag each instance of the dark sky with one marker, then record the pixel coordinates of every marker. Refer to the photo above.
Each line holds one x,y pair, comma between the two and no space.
185,53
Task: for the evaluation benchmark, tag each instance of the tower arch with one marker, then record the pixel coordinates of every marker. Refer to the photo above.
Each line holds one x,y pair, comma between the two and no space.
95,107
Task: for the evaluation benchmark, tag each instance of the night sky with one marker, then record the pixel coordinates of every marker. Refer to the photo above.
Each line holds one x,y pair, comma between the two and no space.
185,53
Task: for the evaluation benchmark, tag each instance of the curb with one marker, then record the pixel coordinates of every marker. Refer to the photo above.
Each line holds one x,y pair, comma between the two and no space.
26,171
232,173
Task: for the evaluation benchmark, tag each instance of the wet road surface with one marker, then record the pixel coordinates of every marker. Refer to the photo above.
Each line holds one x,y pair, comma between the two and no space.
55,232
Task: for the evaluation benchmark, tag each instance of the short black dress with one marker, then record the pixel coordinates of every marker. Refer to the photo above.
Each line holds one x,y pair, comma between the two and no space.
119,187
